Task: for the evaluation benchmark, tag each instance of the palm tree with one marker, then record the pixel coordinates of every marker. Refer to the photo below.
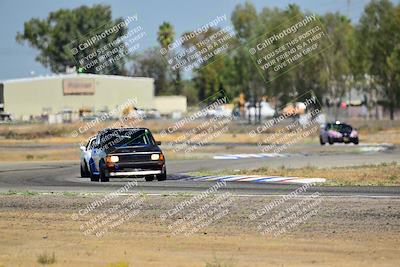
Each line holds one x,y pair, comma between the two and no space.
165,34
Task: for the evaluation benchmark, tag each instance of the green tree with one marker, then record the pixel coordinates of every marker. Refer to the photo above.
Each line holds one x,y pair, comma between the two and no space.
212,76
378,47
337,64
165,36
244,19
245,77
149,64
52,36
285,86
318,72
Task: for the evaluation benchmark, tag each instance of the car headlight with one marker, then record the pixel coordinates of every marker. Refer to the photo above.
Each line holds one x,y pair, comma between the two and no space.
155,156
113,159
353,134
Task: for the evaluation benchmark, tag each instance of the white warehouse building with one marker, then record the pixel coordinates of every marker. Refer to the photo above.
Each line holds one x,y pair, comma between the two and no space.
76,93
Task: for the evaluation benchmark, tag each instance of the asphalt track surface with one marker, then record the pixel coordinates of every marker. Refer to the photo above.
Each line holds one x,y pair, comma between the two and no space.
63,176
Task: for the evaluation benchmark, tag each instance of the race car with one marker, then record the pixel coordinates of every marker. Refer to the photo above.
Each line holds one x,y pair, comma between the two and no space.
338,132
127,152
86,155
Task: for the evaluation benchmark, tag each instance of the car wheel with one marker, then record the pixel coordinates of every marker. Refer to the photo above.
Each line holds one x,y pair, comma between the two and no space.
330,141
94,177
83,174
355,141
87,172
321,141
162,177
149,178
103,176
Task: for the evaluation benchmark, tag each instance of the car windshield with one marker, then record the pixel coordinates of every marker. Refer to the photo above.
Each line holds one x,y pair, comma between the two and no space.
340,127
124,138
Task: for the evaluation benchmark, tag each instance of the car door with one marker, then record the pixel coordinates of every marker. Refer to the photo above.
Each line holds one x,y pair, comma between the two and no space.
95,155
88,152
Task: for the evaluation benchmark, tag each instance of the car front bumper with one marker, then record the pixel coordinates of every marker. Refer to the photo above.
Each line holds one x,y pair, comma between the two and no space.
136,169
344,139
135,173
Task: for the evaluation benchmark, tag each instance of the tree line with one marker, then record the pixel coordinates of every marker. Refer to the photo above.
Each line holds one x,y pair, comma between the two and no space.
363,55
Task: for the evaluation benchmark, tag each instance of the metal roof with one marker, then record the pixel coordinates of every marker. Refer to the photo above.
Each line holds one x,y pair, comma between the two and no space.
73,75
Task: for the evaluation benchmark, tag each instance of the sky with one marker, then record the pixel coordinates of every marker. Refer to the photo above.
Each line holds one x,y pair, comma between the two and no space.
18,61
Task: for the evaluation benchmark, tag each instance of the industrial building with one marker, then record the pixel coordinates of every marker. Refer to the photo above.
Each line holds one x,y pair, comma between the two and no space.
76,94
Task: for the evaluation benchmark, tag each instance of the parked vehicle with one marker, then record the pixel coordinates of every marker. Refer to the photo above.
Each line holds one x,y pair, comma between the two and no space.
265,109
152,114
5,116
224,111
294,109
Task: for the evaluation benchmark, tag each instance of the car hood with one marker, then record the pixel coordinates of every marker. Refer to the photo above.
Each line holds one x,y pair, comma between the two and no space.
345,131
133,149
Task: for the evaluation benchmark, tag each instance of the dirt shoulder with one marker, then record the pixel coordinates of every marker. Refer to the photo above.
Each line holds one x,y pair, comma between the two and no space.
343,232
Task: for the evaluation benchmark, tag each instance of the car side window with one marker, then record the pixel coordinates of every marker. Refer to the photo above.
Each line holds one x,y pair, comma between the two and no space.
149,139
328,126
90,145
96,143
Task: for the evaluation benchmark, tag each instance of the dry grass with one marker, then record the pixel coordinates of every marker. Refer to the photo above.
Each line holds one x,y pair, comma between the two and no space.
345,232
382,136
117,264
41,154
45,258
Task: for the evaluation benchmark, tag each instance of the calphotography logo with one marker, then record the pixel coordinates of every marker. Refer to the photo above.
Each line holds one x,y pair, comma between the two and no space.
200,47
107,47
199,212
288,45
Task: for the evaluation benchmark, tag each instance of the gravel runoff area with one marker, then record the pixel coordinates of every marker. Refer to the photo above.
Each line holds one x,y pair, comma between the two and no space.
181,230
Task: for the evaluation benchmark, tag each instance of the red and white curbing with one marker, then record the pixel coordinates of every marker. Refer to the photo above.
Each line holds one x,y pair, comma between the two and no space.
258,179
247,156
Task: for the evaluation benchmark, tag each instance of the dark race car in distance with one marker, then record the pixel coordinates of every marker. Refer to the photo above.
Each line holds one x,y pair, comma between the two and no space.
127,152
338,132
